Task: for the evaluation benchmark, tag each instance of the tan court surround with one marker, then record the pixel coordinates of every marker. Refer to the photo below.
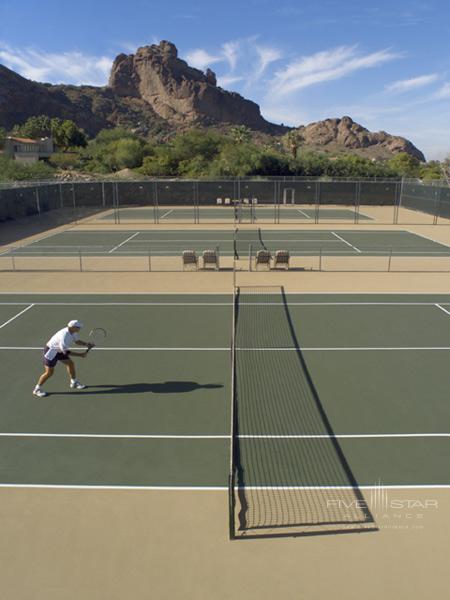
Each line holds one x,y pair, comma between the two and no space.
115,544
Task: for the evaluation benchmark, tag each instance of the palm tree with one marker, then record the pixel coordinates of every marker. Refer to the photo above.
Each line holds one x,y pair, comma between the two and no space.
446,169
240,134
293,140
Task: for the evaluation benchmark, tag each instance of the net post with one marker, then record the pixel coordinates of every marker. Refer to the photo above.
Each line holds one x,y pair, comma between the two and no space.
80,258
320,258
250,252
149,260
231,475
218,257
13,259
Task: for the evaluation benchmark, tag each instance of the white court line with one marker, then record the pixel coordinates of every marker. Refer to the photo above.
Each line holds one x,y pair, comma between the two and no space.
167,213
443,309
425,237
174,488
341,349
243,304
15,316
114,436
348,436
124,242
126,349
345,242
227,349
144,488
184,488
366,215
133,304
344,487
303,213
35,251
119,436
168,293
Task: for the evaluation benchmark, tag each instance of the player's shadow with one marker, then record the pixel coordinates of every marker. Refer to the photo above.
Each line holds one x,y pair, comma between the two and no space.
166,387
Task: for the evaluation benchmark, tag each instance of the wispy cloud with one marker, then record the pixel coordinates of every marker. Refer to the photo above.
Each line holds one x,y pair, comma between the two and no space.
266,56
231,53
325,66
407,85
201,59
245,59
67,67
227,80
443,92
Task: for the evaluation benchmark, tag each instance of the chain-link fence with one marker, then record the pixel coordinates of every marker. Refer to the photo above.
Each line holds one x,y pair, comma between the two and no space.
239,201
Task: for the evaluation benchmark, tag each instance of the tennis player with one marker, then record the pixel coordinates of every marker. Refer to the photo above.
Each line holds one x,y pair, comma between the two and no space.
57,349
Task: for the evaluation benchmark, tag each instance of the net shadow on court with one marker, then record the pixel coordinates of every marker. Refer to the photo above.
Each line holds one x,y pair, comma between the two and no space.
289,475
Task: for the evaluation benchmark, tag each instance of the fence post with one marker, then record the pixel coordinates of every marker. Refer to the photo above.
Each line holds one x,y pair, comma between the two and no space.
38,203
155,202
437,203
390,259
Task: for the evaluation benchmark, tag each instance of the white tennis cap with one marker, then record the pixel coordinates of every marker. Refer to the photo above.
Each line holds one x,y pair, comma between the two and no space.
75,323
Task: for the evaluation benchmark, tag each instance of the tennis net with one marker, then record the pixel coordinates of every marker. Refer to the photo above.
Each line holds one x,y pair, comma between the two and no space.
246,241
288,474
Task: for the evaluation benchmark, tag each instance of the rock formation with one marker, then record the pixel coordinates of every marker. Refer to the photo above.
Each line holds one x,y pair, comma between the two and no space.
155,92
348,134
181,94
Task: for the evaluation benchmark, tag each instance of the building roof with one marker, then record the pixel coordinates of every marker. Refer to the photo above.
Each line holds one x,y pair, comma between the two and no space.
22,140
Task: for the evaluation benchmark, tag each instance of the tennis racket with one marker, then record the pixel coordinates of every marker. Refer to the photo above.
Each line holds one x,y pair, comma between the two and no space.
97,336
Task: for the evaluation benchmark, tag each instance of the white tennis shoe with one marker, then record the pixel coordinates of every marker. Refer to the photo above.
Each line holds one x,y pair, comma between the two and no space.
76,385
39,393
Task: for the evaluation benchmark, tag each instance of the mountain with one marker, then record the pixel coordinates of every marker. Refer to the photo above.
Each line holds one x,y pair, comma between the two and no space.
92,108
335,134
155,92
180,94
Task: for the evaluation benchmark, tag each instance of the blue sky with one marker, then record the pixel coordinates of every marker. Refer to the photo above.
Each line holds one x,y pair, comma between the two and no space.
386,64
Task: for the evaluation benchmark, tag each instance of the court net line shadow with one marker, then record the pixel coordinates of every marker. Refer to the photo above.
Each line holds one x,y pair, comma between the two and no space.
166,387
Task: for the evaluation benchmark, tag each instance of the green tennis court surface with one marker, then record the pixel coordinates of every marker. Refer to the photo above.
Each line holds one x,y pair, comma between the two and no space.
228,213
156,411
166,242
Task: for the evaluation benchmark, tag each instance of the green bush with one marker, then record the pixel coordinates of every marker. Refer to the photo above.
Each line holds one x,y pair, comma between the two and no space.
65,160
128,153
11,170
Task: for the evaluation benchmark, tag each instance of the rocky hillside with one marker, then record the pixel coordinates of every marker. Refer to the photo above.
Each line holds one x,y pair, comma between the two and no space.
92,108
154,91
180,94
344,133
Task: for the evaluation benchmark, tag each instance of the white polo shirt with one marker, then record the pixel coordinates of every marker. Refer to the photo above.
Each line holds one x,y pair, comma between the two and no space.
60,342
